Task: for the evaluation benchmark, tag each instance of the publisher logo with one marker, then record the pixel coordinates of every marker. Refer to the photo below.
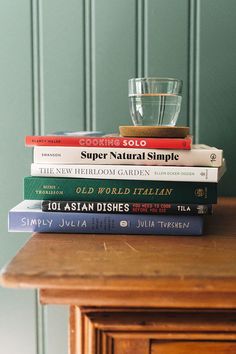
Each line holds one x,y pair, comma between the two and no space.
202,209
123,223
199,192
213,157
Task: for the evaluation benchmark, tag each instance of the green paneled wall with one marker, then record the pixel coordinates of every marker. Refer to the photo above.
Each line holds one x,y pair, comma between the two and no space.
65,65
62,64
167,47
113,61
17,308
217,82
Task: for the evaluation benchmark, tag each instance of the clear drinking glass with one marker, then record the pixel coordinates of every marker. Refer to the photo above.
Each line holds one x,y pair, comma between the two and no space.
155,101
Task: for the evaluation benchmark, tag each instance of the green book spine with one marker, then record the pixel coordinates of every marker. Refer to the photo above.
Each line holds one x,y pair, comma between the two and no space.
82,189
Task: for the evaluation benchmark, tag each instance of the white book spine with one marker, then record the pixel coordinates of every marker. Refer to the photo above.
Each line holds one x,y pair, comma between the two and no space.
198,156
150,173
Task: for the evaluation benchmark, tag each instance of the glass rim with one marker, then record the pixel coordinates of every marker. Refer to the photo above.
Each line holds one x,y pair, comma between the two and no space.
160,79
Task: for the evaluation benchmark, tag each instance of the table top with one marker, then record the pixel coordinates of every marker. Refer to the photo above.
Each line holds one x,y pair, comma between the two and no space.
76,261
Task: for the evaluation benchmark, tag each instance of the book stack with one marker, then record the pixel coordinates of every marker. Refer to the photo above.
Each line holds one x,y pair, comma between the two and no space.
94,183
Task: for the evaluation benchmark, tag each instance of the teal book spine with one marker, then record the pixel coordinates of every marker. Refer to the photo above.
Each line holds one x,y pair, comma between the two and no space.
105,190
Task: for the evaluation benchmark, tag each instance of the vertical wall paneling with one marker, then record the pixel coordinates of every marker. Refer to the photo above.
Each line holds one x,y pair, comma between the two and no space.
114,58
167,47
38,129
145,37
194,68
62,90
63,64
57,329
140,38
41,320
17,319
89,66
217,84
37,67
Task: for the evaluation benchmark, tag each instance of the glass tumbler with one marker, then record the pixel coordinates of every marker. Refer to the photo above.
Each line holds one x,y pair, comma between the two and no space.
155,101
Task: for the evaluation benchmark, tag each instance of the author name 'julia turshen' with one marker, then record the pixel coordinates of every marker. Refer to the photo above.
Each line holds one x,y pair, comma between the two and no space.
124,191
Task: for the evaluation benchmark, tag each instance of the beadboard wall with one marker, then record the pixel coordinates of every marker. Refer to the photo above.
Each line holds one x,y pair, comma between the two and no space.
64,65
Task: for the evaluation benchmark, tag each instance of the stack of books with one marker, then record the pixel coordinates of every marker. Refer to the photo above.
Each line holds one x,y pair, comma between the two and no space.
93,183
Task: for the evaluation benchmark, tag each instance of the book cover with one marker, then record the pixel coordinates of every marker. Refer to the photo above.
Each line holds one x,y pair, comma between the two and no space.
86,189
28,217
148,173
199,155
125,208
110,141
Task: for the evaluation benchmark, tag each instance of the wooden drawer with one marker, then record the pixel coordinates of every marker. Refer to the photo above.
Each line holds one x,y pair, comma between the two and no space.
133,346
126,331
193,347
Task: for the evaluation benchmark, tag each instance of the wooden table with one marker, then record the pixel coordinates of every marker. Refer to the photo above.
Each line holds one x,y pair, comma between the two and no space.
139,294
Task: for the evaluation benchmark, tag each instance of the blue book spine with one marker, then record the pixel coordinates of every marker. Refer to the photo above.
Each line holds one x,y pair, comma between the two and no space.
59,222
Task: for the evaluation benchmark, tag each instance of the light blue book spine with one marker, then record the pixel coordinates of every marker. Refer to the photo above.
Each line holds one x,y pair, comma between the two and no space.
59,222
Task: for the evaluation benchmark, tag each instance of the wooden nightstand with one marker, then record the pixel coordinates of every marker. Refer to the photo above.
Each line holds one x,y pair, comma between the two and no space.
139,294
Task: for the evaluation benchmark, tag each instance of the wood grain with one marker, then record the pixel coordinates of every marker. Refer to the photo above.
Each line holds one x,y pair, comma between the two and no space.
128,346
141,294
140,298
154,131
128,331
114,262
193,347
